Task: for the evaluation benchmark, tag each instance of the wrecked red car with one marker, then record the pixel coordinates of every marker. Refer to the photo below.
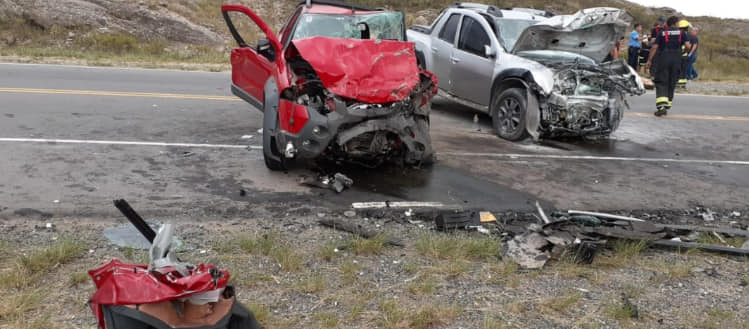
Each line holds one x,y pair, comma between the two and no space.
339,82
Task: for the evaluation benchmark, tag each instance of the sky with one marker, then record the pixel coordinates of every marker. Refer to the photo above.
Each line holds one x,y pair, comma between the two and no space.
718,8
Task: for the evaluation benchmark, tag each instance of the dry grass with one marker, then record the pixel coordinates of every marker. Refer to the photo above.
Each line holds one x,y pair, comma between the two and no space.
393,315
424,284
26,269
458,246
367,247
270,245
562,303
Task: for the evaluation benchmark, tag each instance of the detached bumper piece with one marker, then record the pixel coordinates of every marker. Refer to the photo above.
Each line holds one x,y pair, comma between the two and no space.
166,293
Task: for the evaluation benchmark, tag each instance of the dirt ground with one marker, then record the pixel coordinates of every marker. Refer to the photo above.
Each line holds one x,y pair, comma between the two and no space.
294,273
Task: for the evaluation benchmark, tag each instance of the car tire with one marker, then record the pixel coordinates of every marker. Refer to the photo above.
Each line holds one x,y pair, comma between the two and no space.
508,110
272,156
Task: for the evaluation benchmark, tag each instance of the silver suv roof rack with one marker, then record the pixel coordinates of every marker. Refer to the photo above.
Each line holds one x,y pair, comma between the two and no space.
491,10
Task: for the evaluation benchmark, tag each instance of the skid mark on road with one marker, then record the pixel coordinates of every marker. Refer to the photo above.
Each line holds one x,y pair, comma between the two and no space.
512,156
118,94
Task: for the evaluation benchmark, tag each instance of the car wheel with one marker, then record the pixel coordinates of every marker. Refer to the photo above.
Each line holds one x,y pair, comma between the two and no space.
272,156
508,114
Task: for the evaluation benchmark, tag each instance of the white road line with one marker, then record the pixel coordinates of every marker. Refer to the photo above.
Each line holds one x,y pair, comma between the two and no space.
104,142
513,156
592,157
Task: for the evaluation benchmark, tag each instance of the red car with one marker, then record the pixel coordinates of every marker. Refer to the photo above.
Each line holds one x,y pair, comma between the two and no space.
340,82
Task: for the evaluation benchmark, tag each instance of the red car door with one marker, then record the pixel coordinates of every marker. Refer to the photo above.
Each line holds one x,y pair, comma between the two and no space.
253,65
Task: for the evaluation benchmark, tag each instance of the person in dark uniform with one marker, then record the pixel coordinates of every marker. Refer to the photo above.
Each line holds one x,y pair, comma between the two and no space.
657,28
667,46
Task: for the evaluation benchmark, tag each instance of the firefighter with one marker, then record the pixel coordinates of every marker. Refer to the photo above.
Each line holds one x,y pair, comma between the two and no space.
668,49
657,28
682,83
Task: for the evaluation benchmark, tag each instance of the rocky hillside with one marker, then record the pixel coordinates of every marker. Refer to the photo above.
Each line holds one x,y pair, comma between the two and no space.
194,30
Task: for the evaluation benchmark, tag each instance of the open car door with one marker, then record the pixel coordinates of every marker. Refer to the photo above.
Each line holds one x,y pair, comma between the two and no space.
253,65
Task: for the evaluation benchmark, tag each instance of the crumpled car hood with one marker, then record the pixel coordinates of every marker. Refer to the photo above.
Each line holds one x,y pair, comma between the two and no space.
590,32
370,71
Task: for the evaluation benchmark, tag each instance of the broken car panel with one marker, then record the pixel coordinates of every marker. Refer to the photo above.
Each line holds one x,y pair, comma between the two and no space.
368,104
533,74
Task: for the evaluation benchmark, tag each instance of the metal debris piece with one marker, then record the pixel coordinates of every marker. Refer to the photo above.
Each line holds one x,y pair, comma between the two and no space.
603,215
349,213
542,213
456,220
356,230
708,215
701,246
526,250
337,182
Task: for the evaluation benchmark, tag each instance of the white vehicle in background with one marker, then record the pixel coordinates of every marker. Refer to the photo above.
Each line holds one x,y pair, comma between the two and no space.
535,73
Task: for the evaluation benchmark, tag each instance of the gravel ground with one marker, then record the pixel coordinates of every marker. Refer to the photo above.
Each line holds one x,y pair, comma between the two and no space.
300,281
718,88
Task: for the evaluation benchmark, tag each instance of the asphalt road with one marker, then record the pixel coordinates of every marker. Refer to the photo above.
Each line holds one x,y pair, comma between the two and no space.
74,138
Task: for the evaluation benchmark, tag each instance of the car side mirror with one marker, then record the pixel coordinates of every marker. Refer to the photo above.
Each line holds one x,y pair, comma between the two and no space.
489,51
265,49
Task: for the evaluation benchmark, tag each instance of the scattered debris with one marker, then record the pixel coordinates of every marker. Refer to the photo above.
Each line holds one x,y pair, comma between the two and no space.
356,230
187,154
349,213
260,131
603,215
578,234
542,213
247,137
735,214
409,212
137,235
487,217
457,220
396,204
242,192
708,215
49,226
55,201
337,182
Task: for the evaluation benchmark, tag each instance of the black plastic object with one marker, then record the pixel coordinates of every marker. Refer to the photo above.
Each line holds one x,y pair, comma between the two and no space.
121,317
456,220
135,219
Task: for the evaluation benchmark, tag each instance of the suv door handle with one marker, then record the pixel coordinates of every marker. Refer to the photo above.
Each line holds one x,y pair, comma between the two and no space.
434,50
455,60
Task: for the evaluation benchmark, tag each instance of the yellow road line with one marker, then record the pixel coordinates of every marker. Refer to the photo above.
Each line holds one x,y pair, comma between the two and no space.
118,94
688,116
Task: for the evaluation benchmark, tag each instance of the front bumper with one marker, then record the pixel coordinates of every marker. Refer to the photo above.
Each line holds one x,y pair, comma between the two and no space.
345,123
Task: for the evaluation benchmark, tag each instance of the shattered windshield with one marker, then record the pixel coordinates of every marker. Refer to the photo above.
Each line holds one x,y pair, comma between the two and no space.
510,29
383,26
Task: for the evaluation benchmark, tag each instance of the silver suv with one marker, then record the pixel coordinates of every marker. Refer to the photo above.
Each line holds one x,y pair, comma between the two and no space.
535,73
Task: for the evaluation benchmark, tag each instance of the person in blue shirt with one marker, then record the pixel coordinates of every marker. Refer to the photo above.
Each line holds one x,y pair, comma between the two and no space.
635,42
692,55
667,47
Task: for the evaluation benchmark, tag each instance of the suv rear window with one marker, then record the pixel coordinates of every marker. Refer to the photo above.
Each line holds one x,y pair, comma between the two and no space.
450,28
473,37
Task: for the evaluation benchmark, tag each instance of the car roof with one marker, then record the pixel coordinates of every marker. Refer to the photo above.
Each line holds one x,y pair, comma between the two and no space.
511,13
336,8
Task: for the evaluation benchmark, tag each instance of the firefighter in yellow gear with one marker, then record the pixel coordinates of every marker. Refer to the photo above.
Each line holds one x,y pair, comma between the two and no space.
682,83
